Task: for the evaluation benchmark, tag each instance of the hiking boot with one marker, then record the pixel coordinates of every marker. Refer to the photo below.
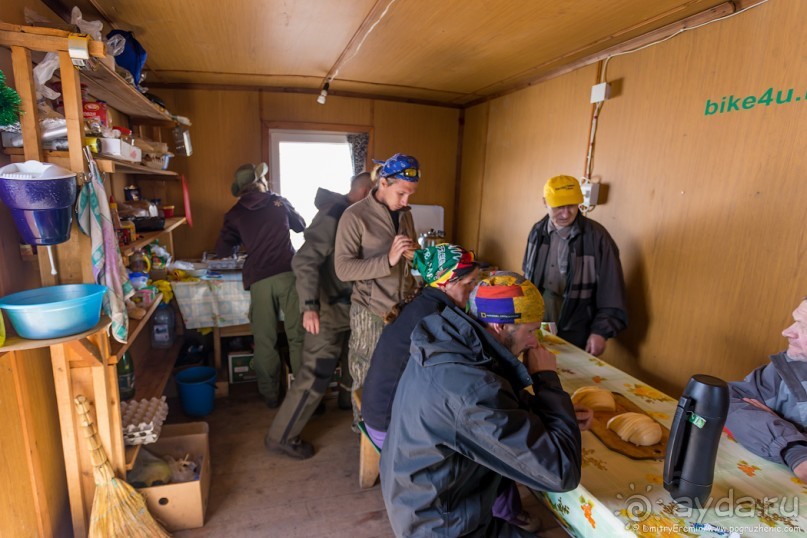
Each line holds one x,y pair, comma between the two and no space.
344,401
294,448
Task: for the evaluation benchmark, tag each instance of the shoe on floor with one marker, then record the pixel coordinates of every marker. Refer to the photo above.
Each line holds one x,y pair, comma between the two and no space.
344,401
527,522
272,403
320,410
295,448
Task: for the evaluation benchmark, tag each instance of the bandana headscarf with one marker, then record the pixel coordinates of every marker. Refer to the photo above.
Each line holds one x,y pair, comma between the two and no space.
506,297
439,264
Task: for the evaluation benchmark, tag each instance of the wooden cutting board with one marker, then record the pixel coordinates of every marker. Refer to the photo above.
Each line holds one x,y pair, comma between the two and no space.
612,440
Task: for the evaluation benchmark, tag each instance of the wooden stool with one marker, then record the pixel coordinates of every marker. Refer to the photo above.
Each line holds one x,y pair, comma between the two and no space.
369,456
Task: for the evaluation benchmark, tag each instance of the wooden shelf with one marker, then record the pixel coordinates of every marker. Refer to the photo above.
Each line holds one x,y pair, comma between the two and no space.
135,326
106,85
18,343
151,376
148,237
113,165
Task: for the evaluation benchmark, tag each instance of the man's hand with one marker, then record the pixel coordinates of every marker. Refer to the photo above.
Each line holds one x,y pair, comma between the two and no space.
400,245
595,345
760,405
585,417
801,471
311,321
539,359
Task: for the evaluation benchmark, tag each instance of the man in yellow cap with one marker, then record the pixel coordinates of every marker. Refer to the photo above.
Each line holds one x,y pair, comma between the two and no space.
575,264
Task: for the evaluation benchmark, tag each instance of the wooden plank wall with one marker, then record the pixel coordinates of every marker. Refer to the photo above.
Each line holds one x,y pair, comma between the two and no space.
227,131
708,211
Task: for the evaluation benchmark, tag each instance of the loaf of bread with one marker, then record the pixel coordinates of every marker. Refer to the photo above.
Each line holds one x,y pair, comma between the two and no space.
594,398
636,428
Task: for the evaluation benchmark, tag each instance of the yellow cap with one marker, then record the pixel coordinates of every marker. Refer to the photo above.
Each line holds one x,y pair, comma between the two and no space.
562,190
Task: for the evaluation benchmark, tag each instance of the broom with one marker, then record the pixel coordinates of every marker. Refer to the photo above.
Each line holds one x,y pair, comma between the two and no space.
117,509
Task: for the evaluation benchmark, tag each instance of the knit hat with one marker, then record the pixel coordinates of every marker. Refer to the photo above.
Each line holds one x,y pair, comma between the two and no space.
562,190
442,263
400,166
246,175
506,297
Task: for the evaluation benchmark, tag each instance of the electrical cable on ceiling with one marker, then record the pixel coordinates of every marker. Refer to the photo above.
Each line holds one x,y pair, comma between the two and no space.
603,78
340,64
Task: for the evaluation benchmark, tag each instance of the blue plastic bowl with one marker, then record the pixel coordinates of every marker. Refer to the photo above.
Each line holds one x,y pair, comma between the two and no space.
54,311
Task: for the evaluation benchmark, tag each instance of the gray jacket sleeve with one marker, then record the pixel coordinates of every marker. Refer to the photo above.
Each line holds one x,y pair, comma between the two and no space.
540,448
763,433
307,262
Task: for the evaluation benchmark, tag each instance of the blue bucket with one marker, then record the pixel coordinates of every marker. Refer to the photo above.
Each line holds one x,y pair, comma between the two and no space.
197,389
54,311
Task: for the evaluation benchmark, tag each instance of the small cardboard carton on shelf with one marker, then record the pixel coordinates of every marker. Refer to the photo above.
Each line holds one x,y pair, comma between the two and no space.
240,367
182,505
115,147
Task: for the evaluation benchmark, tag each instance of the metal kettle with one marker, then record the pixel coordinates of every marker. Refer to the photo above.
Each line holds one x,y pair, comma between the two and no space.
431,238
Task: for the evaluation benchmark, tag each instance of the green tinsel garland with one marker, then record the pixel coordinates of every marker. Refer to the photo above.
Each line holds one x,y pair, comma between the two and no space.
9,103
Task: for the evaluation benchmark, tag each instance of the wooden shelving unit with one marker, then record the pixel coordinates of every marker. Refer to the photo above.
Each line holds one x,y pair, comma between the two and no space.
135,326
151,376
148,237
81,364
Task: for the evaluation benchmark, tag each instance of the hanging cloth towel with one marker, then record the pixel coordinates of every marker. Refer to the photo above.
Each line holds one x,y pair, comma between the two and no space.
94,219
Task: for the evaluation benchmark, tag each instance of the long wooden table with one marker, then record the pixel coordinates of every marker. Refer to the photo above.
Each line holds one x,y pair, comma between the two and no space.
620,496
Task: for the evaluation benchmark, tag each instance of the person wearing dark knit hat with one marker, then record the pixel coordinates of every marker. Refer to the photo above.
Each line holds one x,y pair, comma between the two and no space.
260,222
449,273
575,264
462,425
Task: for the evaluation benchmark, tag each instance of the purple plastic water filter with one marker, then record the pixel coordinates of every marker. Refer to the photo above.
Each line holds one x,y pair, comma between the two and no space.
40,197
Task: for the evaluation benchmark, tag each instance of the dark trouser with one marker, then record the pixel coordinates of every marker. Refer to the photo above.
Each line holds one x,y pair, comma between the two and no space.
267,298
321,353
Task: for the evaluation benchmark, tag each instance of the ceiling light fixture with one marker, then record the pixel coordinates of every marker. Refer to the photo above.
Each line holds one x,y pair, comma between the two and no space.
323,95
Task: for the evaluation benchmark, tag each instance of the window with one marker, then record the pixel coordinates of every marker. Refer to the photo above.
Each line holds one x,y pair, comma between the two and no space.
304,161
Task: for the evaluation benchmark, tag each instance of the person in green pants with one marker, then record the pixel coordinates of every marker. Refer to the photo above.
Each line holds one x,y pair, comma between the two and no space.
325,302
260,221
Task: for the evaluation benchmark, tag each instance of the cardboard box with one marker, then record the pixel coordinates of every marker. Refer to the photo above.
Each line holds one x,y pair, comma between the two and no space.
240,367
181,506
120,149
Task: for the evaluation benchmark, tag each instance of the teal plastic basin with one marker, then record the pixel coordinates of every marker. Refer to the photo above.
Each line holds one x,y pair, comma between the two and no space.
54,311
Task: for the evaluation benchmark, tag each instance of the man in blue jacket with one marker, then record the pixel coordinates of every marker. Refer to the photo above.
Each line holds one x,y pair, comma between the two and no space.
461,421
768,410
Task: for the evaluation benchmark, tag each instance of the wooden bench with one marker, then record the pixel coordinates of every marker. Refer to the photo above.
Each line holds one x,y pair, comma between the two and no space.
369,455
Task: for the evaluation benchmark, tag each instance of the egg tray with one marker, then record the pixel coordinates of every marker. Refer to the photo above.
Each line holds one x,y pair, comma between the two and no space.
142,420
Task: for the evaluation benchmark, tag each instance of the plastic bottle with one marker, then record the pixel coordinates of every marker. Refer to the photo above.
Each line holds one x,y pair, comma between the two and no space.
162,327
126,377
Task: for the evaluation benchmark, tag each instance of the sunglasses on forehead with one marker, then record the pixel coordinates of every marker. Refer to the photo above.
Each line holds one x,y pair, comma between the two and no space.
409,172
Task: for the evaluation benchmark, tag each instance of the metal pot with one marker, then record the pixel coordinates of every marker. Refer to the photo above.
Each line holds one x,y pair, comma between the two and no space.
431,238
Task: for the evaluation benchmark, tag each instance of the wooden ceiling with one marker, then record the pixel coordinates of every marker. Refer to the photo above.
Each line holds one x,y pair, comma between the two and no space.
452,52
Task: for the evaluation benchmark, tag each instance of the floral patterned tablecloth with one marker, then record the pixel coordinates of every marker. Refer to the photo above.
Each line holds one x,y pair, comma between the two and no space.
620,496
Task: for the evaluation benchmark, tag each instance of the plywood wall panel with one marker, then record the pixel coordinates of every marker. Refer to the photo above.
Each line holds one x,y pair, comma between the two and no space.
470,195
297,107
707,210
225,134
532,135
430,134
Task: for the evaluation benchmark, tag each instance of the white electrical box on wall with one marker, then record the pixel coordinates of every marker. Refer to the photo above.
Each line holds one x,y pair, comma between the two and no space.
591,192
600,92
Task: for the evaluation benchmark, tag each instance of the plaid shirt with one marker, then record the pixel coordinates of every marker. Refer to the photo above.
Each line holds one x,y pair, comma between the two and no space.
594,300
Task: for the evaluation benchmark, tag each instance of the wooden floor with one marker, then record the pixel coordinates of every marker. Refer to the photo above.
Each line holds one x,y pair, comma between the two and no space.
256,493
